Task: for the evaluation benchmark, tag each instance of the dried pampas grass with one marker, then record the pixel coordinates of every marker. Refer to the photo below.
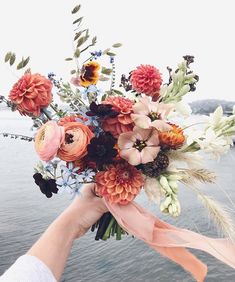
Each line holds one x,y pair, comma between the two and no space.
189,176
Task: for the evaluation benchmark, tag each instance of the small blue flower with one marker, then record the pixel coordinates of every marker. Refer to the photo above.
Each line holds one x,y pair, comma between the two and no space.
65,184
68,171
85,176
111,59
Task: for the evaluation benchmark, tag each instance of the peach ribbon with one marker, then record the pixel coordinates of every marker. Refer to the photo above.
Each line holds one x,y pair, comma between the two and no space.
171,241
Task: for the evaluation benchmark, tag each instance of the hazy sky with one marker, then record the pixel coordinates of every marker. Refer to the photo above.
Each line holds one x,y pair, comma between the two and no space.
152,31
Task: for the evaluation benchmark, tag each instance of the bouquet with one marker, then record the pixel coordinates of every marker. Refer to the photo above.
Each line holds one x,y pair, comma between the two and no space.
126,139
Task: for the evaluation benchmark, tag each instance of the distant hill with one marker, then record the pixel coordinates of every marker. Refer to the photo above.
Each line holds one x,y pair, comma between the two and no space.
205,107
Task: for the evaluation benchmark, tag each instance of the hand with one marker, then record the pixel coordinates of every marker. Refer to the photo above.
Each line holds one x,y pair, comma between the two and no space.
85,210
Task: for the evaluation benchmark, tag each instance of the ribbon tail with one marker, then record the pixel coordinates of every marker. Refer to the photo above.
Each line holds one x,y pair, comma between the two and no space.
171,241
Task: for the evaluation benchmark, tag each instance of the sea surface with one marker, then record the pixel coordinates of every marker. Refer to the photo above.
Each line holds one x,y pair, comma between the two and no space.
25,213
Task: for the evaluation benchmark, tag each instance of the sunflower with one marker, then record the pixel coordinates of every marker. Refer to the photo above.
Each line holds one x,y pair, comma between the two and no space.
89,74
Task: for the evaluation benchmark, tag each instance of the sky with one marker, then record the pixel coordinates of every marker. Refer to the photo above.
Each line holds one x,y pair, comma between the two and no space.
156,32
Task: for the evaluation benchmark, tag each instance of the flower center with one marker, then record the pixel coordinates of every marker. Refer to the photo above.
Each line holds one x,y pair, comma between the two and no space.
139,145
68,138
100,150
154,116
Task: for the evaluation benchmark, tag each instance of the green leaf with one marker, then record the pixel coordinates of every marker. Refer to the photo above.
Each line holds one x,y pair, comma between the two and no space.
77,35
82,40
117,45
117,92
94,40
76,9
106,71
12,59
78,20
106,51
68,59
111,54
73,71
77,53
103,78
25,62
20,65
7,57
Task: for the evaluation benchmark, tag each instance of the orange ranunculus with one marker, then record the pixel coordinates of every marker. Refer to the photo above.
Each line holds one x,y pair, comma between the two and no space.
90,74
31,93
77,137
48,140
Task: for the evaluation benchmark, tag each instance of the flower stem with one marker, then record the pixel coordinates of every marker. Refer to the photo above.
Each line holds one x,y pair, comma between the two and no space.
108,230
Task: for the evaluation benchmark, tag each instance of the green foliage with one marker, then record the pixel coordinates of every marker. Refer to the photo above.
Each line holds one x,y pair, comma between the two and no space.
76,9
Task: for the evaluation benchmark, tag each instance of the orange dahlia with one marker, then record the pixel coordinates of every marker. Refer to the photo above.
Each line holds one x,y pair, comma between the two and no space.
31,93
122,122
120,183
172,139
90,74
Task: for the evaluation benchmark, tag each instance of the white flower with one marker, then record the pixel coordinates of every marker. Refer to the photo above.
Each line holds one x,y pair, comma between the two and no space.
66,185
214,144
183,108
216,119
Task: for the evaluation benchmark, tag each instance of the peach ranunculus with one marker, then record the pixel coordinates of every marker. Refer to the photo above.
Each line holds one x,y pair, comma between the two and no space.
139,146
77,137
120,183
122,122
48,140
149,114
31,93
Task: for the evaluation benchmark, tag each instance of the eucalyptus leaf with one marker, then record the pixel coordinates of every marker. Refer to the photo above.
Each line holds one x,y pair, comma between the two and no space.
103,78
81,41
106,71
68,59
77,53
76,9
117,45
111,54
7,56
73,71
77,35
20,65
25,62
94,40
118,92
106,51
12,59
78,20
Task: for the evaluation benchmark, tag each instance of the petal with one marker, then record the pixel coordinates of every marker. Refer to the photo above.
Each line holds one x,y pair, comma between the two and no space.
161,125
154,139
126,140
132,156
142,121
148,154
141,107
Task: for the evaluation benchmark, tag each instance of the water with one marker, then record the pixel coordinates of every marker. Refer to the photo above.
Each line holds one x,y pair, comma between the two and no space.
25,213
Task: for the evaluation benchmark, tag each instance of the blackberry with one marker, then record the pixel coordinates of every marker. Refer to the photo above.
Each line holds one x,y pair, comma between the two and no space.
154,169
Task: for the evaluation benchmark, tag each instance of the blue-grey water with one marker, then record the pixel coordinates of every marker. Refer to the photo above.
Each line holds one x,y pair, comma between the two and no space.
25,213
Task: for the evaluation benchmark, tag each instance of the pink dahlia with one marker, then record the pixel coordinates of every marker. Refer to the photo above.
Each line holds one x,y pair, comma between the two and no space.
31,93
146,79
122,122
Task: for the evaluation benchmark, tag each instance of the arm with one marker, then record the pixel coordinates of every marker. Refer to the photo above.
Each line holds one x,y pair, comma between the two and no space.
54,246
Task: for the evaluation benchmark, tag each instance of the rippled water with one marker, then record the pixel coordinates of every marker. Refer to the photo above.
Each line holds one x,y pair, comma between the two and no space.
25,213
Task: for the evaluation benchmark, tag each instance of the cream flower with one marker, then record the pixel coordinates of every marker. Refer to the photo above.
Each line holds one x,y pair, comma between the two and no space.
139,146
147,114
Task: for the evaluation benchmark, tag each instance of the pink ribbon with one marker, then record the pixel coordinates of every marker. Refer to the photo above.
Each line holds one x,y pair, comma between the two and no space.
171,241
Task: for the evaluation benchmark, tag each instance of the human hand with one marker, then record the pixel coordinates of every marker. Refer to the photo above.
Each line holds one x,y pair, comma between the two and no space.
85,210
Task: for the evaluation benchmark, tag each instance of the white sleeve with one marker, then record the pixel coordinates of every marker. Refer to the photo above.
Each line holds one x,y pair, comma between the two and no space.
28,269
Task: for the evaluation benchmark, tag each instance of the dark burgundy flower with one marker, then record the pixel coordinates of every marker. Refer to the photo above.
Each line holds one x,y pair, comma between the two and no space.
102,110
101,149
47,186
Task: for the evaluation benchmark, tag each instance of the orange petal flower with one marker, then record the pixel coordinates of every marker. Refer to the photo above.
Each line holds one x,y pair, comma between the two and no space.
71,118
90,74
172,139
123,122
48,140
77,137
31,93
120,183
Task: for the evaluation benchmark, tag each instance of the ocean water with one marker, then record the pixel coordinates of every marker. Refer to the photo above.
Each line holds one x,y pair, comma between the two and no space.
25,213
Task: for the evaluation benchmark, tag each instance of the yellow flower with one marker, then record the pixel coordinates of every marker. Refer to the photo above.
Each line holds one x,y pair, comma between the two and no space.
90,74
